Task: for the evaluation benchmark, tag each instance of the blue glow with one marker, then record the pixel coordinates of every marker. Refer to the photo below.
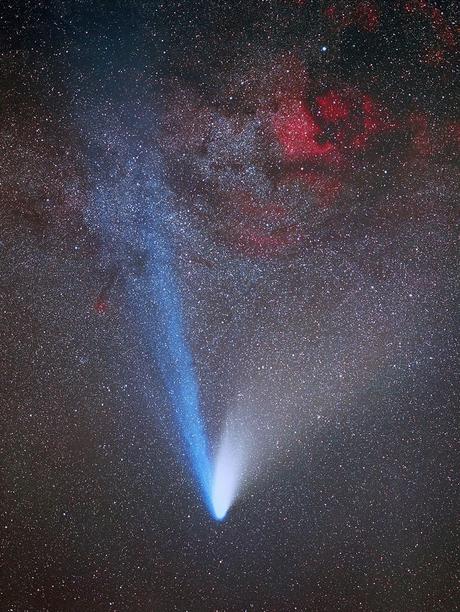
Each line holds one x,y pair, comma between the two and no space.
176,366
228,471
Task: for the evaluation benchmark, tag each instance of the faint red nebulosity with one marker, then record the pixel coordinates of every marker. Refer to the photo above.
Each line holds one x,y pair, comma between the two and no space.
421,139
331,12
412,6
453,135
340,19
374,115
297,132
259,227
333,107
101,306
326,188
365,15
256,242
444,31
428,140
250,208
375,120
434,57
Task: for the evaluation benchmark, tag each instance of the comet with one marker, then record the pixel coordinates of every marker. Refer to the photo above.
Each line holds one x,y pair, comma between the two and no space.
228,472
175,362
219,476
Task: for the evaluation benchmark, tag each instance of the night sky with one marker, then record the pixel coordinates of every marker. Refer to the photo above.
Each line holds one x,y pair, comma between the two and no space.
288,171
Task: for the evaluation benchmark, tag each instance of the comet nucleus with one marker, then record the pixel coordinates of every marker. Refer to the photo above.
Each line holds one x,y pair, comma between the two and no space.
228,473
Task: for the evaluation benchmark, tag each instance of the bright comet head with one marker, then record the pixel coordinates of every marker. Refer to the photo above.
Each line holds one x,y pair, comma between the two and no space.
227,475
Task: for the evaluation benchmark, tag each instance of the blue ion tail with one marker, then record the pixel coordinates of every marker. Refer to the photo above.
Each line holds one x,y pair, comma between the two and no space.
176,366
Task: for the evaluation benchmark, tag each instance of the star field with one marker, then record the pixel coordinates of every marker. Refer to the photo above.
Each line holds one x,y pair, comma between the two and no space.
300,160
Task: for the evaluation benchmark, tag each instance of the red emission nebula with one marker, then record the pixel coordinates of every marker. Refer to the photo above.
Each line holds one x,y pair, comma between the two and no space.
270,171
296,142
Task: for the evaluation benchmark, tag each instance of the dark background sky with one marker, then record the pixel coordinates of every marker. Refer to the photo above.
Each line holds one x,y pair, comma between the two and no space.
305,155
